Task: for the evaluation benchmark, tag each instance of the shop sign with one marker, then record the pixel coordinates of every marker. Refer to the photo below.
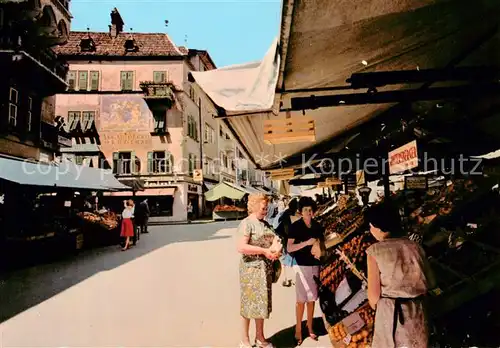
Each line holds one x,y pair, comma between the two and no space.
198,175
416,182
403,158
193,188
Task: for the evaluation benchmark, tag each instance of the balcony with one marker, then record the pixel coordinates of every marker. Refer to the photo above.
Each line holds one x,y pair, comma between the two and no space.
158,95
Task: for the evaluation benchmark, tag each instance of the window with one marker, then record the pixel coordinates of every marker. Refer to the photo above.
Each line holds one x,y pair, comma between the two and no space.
221,132
29,115
87,118
94,80
125,163
71,80
208,134
192,163
159,76
13,104
127,80
192,128
87,45
208,166
160,162
83,80
160,119
224,160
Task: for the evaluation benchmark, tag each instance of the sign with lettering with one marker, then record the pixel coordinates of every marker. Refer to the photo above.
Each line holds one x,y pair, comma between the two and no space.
198,175
416,182
403,158
126,138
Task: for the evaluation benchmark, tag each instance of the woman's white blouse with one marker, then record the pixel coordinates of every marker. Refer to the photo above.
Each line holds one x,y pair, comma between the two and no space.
127,213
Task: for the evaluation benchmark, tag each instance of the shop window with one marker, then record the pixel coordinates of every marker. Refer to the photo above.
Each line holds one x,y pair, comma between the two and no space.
161,205
94,80
71,80
159,76
29,115
13,105
83,80
124,163
160,162
127,80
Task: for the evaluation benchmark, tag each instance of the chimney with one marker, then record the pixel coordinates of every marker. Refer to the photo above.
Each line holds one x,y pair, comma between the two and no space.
116,26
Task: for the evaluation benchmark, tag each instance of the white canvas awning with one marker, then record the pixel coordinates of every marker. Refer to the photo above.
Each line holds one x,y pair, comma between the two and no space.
322,43
243,88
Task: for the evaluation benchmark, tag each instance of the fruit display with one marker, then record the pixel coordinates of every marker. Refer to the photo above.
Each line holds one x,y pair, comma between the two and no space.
332,274
108,220
228,208
355,249
340,336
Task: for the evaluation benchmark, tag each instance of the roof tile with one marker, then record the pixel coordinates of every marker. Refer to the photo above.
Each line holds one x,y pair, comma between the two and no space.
150,44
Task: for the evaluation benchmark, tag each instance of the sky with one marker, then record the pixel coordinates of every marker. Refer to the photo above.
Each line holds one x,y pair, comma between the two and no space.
233,32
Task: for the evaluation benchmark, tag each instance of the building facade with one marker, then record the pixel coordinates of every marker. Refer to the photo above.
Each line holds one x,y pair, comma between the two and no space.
130,107
31,75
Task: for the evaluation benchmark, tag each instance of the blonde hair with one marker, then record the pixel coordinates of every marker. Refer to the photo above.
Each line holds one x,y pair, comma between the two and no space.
130,203
254,199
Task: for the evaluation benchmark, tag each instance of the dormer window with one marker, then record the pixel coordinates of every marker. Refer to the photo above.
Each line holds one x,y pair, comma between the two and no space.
131,46
87,45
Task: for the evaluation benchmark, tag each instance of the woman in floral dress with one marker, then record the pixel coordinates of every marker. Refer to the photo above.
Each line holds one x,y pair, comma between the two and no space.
398,279
259,247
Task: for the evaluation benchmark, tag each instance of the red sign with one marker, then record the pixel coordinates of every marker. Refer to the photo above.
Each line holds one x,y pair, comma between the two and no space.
403,158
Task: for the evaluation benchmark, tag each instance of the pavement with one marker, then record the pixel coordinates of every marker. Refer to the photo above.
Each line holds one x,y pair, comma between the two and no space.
177,288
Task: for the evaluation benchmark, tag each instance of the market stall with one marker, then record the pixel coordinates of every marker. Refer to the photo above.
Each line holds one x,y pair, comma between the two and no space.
455,222
229,191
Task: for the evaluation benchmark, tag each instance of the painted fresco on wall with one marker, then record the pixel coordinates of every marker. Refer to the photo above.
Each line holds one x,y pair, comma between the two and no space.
125,113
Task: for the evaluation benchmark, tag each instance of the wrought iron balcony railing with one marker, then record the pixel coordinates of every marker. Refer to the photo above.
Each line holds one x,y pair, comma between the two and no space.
158,90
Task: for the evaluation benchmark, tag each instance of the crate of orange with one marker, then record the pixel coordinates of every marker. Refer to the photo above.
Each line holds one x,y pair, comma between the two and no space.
355,331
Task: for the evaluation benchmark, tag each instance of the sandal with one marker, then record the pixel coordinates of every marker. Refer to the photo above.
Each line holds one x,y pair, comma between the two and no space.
313,336
298,339
262,345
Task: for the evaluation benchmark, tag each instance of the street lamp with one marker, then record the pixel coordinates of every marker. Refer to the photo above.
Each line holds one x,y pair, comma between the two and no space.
364,192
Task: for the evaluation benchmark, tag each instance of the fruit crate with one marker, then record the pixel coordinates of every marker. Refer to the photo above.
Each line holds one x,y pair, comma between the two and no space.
358,338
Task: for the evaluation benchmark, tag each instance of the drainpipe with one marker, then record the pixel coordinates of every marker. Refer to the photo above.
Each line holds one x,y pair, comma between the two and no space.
201,157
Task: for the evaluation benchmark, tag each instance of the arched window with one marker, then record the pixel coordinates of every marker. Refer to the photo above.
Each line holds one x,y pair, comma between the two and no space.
62,29
48,17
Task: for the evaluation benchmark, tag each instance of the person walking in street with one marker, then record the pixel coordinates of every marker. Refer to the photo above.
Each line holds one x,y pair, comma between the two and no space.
304,233
189,211
282,225
142,216
398,279
259,246
127,227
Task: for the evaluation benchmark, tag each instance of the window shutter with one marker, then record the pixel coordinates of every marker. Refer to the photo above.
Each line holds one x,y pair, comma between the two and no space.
94,80
129,84
170,163
83,80
71,80
150,162
134,166
123,79
116,163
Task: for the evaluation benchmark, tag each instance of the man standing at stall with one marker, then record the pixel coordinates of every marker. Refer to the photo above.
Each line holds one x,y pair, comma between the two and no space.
142,216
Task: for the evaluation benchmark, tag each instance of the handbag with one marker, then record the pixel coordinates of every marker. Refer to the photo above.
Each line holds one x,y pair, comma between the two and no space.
276,271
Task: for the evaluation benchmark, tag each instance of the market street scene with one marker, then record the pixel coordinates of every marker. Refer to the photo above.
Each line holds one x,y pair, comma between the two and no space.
179,174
